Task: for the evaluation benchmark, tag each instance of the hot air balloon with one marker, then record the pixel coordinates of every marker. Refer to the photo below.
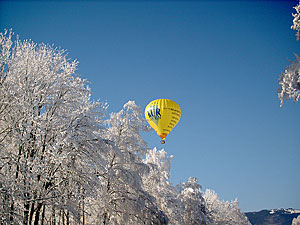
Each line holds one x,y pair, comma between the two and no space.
162,115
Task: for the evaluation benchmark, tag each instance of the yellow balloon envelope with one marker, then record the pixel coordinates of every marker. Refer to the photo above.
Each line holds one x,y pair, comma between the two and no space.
162,115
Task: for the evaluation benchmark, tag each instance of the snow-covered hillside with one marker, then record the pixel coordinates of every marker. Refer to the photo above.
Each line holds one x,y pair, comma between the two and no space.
273,216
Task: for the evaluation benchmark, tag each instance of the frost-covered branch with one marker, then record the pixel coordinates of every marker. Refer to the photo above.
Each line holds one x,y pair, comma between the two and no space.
290,82
296,20
47,127
221,212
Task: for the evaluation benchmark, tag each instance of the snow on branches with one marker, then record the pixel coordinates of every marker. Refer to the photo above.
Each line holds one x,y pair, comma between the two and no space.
290,82
296,20
221,212
49,142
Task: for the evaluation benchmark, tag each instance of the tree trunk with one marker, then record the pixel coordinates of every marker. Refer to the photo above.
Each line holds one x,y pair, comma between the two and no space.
31,212
83,216
37,213
43,215
105,218
26,211
53,215
11,213
68,217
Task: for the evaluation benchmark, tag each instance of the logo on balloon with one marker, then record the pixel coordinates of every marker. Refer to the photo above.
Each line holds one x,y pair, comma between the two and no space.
154,114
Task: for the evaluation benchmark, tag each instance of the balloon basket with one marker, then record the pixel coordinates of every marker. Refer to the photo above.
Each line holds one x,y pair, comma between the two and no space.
162,141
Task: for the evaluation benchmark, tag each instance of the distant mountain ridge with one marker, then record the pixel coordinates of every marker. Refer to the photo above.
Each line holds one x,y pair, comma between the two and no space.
273,216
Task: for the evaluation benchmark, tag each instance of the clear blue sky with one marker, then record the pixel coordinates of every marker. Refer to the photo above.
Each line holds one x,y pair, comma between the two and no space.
219,60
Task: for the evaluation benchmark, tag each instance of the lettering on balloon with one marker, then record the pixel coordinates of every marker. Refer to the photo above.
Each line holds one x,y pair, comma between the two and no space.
154,114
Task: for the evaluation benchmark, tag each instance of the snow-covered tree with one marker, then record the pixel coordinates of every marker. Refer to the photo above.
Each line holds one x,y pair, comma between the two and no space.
296,20
221,212
156,182
122,198
296,221
194,204
49,134
289,80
